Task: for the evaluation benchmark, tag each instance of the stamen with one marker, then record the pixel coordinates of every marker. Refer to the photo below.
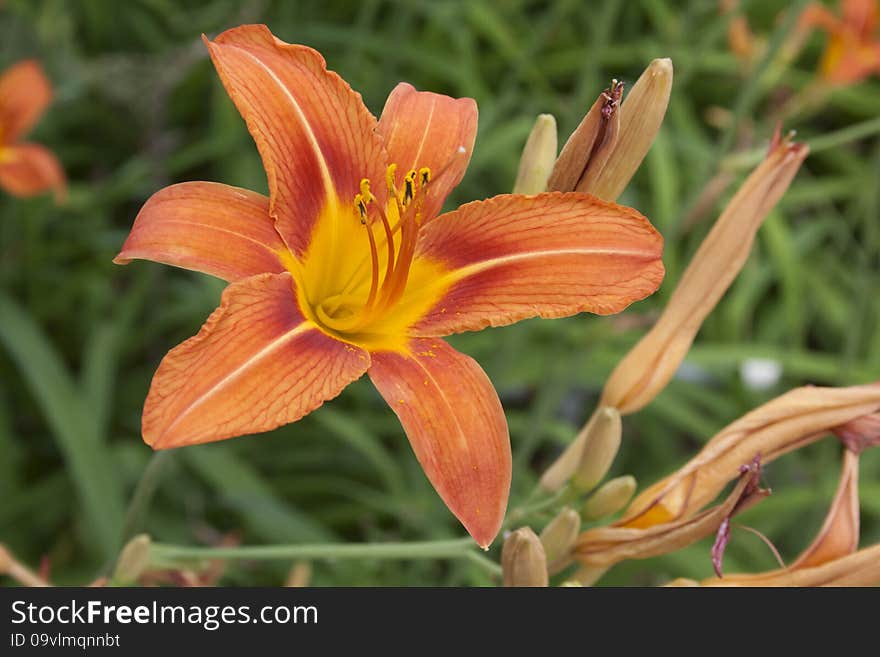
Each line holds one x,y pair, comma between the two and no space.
390,177
409,187
360,202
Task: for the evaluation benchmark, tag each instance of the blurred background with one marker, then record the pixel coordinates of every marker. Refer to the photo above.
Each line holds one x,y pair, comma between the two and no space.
138,106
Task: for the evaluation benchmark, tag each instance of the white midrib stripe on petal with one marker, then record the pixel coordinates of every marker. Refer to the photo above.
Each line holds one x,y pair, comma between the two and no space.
265,352
310,135
475,268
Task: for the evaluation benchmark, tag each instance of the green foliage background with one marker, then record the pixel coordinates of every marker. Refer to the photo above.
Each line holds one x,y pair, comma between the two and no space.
139,106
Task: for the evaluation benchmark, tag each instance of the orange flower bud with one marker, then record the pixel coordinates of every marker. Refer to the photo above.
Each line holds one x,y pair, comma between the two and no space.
649,366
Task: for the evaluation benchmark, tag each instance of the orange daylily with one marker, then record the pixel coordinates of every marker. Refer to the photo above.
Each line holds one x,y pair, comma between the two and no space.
26,169
853,50
346,268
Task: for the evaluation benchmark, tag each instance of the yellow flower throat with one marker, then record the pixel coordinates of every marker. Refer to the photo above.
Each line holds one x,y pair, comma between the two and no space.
360,279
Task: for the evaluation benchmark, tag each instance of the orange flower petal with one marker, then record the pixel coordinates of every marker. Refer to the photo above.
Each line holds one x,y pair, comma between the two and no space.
456,427
209,227
31,169
316,137
255,365
24,95
424,129
550,255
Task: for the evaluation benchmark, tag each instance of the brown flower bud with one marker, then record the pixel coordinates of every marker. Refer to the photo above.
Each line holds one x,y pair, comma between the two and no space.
585,154
523,561
641,115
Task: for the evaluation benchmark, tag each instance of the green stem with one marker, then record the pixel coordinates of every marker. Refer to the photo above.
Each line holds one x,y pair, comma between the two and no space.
564,495
165,554
143,494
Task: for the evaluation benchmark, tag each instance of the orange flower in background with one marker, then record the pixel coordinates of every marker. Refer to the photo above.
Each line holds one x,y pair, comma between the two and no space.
346,268
26,169
853,50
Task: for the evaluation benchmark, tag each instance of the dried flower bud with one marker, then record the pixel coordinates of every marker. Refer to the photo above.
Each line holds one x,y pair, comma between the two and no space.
589,457
641,115
649,366
558,538
523,561
538,157
610,498
133,560
586,152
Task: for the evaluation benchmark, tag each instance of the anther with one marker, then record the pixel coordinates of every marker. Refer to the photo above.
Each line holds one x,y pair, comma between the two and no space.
424,175
390,175
409,186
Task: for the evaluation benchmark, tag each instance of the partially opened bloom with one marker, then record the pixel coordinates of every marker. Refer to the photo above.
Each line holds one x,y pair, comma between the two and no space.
26,169
347,268
853,50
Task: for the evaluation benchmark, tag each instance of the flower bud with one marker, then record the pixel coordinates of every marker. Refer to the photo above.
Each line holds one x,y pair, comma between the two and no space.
538,157
649,366
523,561
641,115
586,152
610,498
133,560
558,538
590,456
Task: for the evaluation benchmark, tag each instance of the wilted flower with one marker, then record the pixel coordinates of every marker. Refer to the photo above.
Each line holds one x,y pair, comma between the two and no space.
605,546
791,421
670,515
831,559
346,269
26,169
